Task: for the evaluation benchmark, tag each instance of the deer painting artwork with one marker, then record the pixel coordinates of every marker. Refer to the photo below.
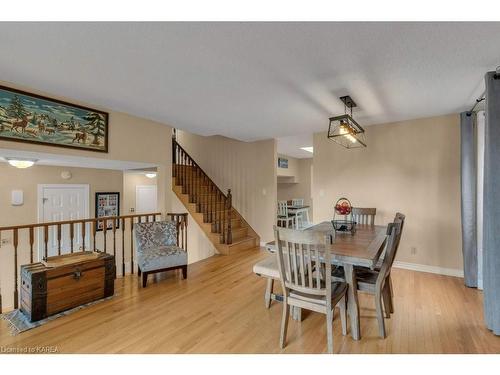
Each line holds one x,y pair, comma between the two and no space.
26,117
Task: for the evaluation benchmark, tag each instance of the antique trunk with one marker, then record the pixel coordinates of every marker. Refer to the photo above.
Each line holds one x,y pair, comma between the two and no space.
62,282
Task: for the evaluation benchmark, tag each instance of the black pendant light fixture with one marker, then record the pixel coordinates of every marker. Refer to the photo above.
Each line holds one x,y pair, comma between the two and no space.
344,130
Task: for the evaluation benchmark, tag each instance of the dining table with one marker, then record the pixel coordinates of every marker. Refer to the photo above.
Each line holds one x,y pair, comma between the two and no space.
298,210
361,248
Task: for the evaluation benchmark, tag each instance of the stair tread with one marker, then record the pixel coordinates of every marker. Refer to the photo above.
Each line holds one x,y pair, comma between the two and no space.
240,240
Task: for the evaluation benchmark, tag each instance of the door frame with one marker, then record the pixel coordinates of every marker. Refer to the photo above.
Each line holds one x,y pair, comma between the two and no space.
40,189
137,187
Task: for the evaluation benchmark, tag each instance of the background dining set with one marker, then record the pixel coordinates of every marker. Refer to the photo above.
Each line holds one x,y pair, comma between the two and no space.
320,269
293,214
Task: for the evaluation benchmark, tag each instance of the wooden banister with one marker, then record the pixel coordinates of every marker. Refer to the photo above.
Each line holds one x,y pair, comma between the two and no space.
60,243
208,198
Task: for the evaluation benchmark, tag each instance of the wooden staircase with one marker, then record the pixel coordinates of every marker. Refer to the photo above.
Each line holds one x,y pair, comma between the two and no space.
209,206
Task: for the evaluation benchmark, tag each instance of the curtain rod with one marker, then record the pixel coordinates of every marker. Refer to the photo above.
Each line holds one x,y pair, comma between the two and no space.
483,95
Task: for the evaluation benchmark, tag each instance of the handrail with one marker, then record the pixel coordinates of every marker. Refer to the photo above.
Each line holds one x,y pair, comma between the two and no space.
208,198
196,164
57,237
65,222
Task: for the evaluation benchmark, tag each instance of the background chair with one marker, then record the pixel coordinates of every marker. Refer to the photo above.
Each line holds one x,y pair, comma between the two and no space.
158,250
378,282
283,217
302,217
364,215
299,254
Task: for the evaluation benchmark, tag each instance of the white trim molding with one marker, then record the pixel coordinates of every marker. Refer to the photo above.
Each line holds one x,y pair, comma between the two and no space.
430,269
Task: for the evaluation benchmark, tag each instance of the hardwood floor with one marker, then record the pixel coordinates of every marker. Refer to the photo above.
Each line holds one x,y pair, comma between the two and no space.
220,309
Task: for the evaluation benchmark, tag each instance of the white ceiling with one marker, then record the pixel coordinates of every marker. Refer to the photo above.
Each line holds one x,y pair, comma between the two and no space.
255,80
73,161
291,145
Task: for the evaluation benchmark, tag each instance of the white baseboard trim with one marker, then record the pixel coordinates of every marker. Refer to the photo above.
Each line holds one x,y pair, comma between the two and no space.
429,269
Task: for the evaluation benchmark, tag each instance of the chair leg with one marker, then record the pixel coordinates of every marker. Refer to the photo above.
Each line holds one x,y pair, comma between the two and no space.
138,271
386,299
284,323
343,314
269,291
380,314
144,279
391,294
185,271
329,330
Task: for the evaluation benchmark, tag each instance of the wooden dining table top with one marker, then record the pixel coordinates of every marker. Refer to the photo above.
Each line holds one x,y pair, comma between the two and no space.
363,248
292,207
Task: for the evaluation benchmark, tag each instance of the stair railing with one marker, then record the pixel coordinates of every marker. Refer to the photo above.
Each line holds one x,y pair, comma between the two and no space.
30,243
202,191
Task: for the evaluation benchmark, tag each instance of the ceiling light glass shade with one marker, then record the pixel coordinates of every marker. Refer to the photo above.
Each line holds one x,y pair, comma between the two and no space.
21,163
346,132
151,174
308,149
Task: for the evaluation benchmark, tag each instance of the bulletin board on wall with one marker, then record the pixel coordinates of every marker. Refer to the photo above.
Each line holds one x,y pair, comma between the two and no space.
107,204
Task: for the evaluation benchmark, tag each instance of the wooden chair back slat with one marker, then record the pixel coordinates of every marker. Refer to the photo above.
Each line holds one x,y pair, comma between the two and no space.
364,216
283,208
300,254
394,232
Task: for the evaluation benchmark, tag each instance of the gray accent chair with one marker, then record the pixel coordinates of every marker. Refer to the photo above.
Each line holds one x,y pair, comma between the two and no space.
157,249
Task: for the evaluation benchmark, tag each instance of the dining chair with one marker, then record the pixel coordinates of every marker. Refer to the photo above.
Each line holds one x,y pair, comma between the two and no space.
302,217
304,264
378,282
283,216
364,215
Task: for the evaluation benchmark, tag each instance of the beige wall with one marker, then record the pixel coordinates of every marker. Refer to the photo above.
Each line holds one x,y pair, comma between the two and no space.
130,139
198,245
27,180
293,166
302,188
130,181
248,168
412,167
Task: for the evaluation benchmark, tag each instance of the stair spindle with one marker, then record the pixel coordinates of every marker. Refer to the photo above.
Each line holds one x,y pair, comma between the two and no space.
71,237
229,238
58,239
132,245
114,238
105,233
32,240
16,292
123,247
46,240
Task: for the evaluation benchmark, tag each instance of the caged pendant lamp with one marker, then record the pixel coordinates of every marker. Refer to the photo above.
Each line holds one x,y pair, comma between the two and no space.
344,130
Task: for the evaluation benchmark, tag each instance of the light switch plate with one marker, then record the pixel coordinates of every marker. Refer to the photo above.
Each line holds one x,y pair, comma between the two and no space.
17,198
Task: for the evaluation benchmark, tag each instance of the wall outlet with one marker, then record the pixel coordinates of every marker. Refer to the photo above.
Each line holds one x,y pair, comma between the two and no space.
5,241
413,250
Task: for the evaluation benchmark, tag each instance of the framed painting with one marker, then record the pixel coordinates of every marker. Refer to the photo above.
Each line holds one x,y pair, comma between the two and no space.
26,117
282,163
106,205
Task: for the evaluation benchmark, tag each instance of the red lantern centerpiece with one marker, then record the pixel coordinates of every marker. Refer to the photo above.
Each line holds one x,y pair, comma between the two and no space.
342,216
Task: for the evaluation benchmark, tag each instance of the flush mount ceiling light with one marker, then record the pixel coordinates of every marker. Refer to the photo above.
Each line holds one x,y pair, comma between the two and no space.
151,174
308,149
344,130
21,162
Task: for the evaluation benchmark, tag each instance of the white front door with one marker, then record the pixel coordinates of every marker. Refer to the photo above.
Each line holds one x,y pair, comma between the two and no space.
60,203
145,199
